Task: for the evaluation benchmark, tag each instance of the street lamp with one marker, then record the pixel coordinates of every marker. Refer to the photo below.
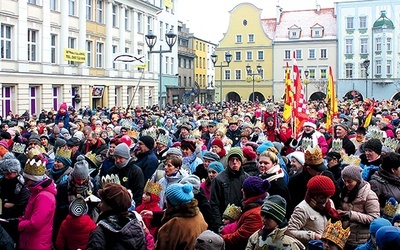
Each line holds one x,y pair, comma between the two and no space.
306,81
151,40
252,76
366,65
214,59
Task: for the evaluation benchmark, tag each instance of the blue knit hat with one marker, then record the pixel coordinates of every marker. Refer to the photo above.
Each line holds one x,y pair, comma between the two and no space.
388,238
216,165
378,223
178,194
65,161
254,186
263,147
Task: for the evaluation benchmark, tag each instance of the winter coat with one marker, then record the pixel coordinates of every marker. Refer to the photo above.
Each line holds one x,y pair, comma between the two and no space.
251,168
201,172
36,225
385,185
148,163
226,189
175,233
6,242
363,210
234,135
205,209
151,206
206,187
275,240
13,191
74,232
229,229
166,181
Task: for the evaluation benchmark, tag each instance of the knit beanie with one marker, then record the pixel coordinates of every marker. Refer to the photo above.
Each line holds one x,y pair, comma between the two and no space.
254,186
208,240
116,196
275,207
211,156
188,144
79,135
193,180
249,154
60,143
265,146
236,152
388,238
9,164
178,194
78,207
44,136
81,168
148,141
343,125
63,106
374,145
321,185
34,138
217,142
122,150
65,161
378,223
352,172
217,166
174,151
298,155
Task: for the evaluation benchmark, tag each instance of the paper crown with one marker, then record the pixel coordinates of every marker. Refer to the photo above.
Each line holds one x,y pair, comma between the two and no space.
335,233
375,132
163,139
233,212
221,127
126,124
351,160
151,133
18,148
313,156
110,179
93,159
337,145
133,134
390,208
35,153
35,167
391,144
259,125
306,142
196,133
233,120
270,107
204,123
64,153
152,188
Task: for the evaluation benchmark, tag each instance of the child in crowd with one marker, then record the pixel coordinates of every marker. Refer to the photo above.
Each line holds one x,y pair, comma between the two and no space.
230,216
214,169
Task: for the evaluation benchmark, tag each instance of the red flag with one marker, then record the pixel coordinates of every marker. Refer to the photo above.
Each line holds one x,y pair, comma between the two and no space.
369,114
300,104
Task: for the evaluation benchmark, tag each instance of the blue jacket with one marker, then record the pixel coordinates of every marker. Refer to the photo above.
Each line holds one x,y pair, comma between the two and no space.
148,162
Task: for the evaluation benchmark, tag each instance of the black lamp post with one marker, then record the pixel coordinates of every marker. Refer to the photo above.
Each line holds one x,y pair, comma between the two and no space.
251,76
214,59
366,66
151,40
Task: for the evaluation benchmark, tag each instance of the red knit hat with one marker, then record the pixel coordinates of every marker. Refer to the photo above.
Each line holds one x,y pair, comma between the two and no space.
63,106
321,185
188,144
218,143
249,154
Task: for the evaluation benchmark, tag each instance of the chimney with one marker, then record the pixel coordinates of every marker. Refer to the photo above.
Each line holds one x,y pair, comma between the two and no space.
279,10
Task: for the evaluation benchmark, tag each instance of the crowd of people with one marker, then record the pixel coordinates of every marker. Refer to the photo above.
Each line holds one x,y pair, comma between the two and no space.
211,176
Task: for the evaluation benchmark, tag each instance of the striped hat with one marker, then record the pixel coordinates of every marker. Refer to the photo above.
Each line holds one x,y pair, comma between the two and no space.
275,207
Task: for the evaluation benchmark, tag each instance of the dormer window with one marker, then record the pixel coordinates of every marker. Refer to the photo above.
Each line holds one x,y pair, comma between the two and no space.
294,32
317,31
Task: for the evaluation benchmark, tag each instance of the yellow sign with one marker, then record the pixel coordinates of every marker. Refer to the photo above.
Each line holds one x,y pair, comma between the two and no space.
74,55
168,3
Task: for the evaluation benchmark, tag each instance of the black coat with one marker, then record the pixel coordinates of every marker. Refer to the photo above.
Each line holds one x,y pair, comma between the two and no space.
205,209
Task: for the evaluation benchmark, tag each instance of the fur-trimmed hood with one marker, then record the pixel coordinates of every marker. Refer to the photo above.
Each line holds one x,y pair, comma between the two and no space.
187,210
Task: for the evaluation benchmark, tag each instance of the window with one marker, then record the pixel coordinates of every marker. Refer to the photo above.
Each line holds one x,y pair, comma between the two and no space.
349,46
238,56
148,24
167,63
238,74
99,15
8,98
89,48
388,67
114,51
127,27
53,4
312,73
349,70
5,41
299,54
71,45
238,38
227,74
139,22
363,22
378,64
161,30
251,38
287,54
53,50
126,52
324,54
311,54
323,73
32,45
362,70
71,7
389,44
89,10
56,96
350,23
364,45
172,65
378,44
294,32
114,15
32,1
34,99
249,55
260,55
99,55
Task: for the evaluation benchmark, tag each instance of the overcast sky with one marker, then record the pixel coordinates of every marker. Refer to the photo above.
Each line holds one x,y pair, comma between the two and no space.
209,19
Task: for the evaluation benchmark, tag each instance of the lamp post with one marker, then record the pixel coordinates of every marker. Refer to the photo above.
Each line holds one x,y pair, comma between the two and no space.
252,76
151,40
366,65
214,59
306,81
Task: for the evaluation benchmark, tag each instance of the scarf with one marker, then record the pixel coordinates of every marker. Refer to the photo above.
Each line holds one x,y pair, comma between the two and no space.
57,173
326,210
76,190
222,153
188,159
122,165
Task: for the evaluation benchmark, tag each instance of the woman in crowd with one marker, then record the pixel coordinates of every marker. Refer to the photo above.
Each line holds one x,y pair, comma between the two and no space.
188,148
217,146
213,170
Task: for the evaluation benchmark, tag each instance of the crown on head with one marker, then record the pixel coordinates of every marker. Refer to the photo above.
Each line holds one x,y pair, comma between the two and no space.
196,133
204,123
133,134
391,144
335,233
313,156
233,212
110,179
35,167
337,145
390,207
306,142
269,106
126,124
18,148
93,158
377,134
64,153
163,139
150,132
373,128
152,188
351,160
35,153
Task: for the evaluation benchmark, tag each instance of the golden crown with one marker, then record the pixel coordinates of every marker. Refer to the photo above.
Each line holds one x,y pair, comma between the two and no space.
196,133
152,188
233,212
110,179
306,142
335,233
337,145
390,207
18,148
35,168
93,158
64,153
351,160
391,144
163,139
35,152
133,134
313,156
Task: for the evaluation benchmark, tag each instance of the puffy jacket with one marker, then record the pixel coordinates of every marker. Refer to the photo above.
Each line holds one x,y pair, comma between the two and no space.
385,185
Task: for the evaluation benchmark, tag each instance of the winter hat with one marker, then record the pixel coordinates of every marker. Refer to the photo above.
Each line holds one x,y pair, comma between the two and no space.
209,240
310,124
178,194
388,238
218,143
298,155
217,166
64,131
278,146
122,150
79,135
321,185
374,145
254,186
174,151
5,135
237,152
148,141
333,156
44,136
252,144
378,223
60,143
343,125
78,207
265,146
73,141
81,168
249,154
188,144
63,106
211,156
116,196
193,180
65,161
9,164
352,172
275,208
4,144
34,138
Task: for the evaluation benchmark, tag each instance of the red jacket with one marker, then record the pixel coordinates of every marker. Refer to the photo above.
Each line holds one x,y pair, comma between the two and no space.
151,206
